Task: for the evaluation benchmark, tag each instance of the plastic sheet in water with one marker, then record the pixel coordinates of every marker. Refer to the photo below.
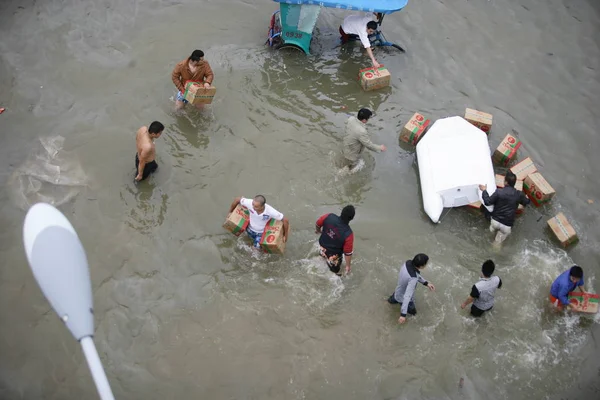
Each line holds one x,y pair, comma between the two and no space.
49,174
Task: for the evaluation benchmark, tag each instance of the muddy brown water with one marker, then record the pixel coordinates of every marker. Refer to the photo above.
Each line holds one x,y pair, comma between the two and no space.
183,310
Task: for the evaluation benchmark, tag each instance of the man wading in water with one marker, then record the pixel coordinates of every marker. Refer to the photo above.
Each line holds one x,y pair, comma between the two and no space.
146,152
410,274
192,69
356,139
336,239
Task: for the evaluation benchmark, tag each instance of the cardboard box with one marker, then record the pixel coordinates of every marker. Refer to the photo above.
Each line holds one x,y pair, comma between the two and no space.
506,150
518,186
414,129
480,119
372,79
195,93
538,189
563,230
238,220
584,302
524,168
272,238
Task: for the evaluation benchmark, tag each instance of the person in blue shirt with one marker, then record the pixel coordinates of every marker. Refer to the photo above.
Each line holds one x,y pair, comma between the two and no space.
565,283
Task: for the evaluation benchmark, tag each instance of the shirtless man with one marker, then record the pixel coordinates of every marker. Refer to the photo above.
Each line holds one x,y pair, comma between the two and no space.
146,152
192,69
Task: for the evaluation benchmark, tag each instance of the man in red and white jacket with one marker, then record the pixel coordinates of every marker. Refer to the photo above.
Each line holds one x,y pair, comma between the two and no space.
336,238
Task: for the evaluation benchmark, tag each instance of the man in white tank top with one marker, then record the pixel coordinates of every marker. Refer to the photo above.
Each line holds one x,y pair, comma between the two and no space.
483,292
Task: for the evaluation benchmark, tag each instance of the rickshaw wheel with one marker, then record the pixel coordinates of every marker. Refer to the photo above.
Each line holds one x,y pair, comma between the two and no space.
287,46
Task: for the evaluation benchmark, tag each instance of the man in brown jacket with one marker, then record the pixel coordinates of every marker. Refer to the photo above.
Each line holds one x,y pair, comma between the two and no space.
193,69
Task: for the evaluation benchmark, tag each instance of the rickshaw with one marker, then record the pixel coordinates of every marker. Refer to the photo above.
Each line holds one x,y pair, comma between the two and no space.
292,25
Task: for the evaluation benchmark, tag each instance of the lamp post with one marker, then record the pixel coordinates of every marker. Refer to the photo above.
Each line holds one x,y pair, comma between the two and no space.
59,265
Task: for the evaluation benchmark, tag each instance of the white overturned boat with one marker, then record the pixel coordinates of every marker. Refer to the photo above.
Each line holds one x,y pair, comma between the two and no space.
454,159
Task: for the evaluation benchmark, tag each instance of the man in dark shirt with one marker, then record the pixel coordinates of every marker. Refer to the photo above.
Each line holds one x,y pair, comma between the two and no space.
505,201
336,239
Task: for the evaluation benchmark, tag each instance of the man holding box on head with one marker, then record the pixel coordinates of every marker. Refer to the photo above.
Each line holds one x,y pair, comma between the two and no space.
506,201
336,239
192,69
362,27
564,284
260,214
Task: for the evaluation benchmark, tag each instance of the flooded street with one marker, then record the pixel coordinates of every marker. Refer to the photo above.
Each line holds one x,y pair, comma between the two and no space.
184,309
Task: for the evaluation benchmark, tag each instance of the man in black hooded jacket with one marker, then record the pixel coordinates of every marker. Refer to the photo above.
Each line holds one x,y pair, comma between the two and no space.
505,201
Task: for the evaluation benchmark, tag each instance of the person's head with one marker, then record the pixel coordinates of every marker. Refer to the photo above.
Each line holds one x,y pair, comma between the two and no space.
155,129
196,57
259,203
510,179
348,213
364,114
420,260
487,269
371,27
576,273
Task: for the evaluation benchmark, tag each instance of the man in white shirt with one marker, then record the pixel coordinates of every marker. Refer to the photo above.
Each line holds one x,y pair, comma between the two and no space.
260,214
361,27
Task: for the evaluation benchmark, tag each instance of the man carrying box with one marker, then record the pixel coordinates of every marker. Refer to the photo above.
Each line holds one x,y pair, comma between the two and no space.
506,202
336,239
356,25
357,138
192,69
260,214
564,284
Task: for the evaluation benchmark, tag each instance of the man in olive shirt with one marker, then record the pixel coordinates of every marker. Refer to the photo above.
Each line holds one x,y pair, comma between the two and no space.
357,138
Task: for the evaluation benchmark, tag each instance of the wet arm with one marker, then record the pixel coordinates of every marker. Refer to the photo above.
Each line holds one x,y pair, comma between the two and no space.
408,295
365,141
209,77
489,200
234,204
524,200
371,56
176,78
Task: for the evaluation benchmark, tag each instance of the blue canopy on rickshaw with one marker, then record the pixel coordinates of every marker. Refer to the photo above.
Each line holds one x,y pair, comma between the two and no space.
380,6
293,24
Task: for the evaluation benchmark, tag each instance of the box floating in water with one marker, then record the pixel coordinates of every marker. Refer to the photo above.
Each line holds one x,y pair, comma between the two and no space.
563,230
374,78
506,150
272,238
584,302
195,93
237,221
524,168
538,189
480,119
414,129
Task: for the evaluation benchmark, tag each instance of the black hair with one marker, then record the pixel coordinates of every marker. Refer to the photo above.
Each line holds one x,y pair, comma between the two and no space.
156,127
576,272
372,25
364,113
510,178
348,213
261,199
488,268
420,260
196,55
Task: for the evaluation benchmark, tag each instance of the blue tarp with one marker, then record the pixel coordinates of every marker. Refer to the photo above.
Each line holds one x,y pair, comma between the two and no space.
382,6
